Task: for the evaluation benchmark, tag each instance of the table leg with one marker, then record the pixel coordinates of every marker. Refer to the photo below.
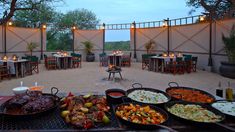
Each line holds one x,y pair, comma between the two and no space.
162,65
16,69
150,64
22,69
65,62
114,76
157,65
109,75
120,75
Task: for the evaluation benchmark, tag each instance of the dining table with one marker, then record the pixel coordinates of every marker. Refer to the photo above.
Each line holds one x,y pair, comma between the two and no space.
52,121
157,63
17,67
115,59
63,61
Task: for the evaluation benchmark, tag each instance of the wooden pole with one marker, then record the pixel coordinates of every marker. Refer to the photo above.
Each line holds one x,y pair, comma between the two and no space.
210,42
134,29
41,42
103,37
168,36
5,38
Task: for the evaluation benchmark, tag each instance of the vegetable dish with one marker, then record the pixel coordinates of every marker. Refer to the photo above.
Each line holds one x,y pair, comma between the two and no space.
139,114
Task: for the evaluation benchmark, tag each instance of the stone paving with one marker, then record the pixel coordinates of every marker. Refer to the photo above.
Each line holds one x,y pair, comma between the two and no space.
92,78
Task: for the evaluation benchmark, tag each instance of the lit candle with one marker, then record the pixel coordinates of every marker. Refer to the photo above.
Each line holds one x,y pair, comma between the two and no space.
14,58
179,55
5,57
164,55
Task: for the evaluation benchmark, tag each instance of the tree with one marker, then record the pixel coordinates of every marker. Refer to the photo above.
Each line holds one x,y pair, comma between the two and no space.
33,18
216,8
82,18
9,7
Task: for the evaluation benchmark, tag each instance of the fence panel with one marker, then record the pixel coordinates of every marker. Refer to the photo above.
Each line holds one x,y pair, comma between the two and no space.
191,38
94,36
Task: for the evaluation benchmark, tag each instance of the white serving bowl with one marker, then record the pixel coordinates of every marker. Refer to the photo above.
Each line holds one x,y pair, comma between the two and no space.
20,90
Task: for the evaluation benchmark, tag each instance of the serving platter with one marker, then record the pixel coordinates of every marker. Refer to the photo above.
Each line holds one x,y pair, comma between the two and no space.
226,107
15,107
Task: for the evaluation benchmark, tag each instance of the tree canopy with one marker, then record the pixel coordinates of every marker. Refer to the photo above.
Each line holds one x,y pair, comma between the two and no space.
82,18
216,8
9,7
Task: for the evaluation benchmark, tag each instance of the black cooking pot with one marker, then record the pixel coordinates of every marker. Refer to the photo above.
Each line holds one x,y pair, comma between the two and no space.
196,123
139,126
138,86
171,87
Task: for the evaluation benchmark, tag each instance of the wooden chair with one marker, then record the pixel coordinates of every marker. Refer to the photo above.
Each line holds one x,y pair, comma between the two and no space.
126,60
34,64
146,60
50,63
103,59
76,60
4,72
188,63
45,60
194,63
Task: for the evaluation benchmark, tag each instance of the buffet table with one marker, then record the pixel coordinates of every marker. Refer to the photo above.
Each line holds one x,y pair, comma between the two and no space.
54,122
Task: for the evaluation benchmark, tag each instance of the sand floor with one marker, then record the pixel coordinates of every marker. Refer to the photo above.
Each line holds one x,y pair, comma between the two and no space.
92,78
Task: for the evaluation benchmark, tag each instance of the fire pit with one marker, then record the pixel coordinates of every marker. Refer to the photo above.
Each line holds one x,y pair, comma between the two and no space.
113,70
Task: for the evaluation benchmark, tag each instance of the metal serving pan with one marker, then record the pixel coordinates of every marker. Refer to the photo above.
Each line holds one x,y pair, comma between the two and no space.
134,88
15,113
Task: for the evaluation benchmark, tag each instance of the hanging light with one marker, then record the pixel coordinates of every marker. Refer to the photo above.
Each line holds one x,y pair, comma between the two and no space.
74,27
165,23
44,26
133,25
202,18
10,23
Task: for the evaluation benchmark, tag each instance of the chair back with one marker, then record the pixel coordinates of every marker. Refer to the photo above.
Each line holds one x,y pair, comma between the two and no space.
194,58
45,56
147,56
25,57
33,58
187,57
102,54
179,59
